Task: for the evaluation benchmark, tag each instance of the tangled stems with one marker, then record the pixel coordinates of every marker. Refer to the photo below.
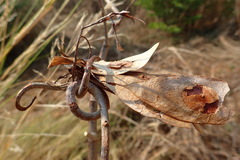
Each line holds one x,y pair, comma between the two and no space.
102,99
98,93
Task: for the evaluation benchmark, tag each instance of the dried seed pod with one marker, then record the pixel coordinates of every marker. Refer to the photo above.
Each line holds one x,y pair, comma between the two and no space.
175,99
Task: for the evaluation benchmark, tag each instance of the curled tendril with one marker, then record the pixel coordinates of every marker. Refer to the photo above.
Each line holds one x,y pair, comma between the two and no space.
34,85
97,93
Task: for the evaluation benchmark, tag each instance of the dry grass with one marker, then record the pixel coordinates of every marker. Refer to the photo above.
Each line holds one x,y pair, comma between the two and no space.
20,64
49,131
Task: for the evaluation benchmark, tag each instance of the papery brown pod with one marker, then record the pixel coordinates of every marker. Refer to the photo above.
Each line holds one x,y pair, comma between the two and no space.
175,99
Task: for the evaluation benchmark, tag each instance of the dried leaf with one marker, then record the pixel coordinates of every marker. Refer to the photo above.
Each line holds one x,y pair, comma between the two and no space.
65,61
132,63
175,99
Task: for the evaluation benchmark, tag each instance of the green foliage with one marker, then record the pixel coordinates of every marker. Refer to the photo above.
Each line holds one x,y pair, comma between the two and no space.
173,13
165,27
178,16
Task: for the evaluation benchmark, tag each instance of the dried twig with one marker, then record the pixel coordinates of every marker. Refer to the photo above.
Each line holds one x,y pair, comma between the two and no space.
102,98
92,143
34,85
101,20
86,77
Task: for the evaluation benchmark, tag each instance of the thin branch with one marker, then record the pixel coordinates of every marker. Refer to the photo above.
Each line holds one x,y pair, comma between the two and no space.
119,47
92,144
86,77
34,85
101,20
61,77
102,98
104,112
105,134
120,20
89,46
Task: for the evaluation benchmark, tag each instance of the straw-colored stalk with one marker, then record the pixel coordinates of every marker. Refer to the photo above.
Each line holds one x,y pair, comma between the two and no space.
13,71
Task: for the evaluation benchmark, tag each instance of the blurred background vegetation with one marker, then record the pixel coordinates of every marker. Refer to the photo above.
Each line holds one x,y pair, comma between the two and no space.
196,37
189,16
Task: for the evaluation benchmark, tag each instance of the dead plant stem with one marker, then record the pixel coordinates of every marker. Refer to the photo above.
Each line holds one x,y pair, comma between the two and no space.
92,144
